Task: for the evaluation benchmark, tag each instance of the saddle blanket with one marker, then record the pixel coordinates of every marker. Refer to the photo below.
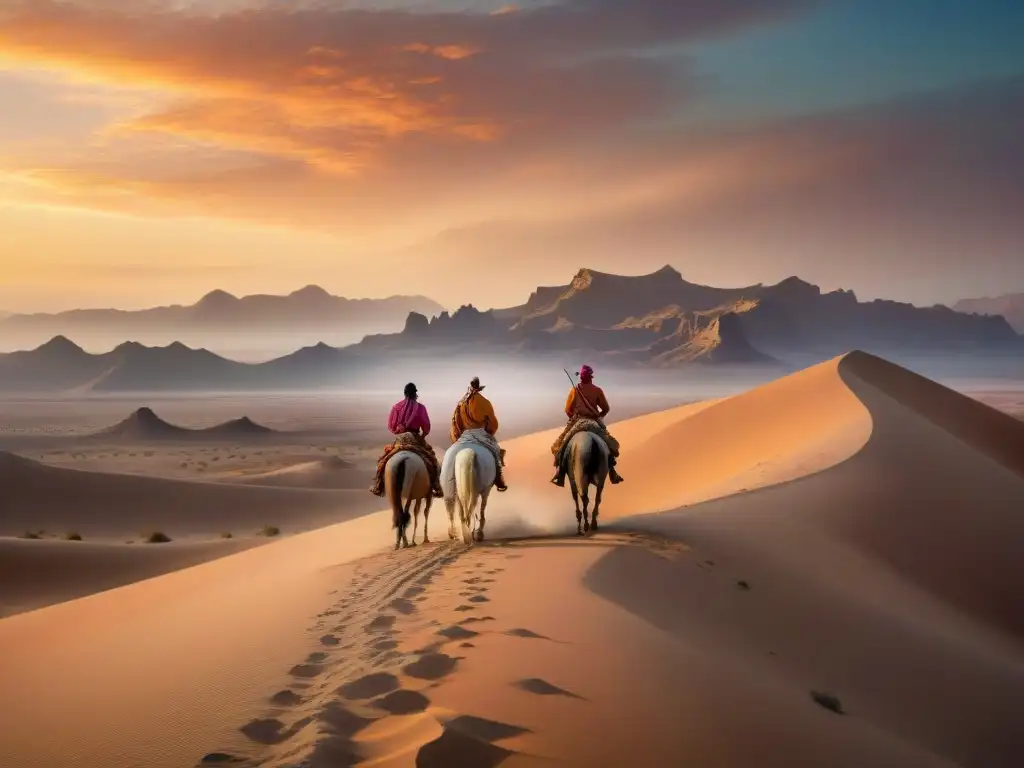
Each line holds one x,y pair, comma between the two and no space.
484,438
574,428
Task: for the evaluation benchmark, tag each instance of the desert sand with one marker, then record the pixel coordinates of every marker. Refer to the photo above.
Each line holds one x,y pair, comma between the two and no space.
845,538
196,469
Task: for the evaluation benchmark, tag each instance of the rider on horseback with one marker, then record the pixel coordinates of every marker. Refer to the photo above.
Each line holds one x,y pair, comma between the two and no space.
409,417
586,400
474,411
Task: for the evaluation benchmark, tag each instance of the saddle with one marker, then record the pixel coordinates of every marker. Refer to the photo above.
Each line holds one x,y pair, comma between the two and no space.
482,438
577,426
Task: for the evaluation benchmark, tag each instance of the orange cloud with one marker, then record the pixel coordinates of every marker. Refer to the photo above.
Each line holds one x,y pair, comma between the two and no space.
358,109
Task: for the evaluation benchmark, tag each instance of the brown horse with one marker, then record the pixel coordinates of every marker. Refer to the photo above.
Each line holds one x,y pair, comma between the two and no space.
406,477
586,463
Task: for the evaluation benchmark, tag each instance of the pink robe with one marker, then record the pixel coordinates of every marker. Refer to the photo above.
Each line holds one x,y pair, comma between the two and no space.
408,416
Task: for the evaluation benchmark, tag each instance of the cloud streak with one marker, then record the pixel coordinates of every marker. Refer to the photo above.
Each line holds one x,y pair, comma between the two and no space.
327,84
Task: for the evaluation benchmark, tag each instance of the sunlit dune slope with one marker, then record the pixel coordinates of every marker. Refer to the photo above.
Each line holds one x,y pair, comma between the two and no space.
785,429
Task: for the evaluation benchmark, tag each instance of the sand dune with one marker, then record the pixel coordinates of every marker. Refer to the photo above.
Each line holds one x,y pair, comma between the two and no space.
870,567
106,505
331,472
34,574
145,425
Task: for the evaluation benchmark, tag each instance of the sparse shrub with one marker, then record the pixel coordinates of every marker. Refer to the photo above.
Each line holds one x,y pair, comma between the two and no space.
270,530
156,537
32,534
227,535
72,536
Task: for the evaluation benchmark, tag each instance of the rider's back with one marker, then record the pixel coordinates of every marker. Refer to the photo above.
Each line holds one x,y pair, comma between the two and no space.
592,405
409,416
475,412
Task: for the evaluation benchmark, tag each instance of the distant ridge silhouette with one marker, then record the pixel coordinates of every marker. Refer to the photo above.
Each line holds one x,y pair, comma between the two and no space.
144,424
299,315
661,319
658,320
1009,306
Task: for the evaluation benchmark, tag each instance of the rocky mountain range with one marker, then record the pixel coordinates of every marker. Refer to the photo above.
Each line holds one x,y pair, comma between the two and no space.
1009,306
662,319
223,321
656,320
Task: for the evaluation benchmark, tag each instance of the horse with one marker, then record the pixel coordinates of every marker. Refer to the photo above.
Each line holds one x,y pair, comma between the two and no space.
585,461
468,473
406,476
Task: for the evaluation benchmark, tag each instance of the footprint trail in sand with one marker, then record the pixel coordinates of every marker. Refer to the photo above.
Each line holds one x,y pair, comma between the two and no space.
366,696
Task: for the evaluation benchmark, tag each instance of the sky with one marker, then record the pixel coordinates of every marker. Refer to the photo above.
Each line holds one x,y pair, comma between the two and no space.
153,150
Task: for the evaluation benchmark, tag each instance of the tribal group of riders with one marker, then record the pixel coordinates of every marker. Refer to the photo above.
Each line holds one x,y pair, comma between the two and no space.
410,423
586,401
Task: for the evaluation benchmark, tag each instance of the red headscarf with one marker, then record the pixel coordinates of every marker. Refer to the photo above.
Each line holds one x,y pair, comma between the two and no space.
586,373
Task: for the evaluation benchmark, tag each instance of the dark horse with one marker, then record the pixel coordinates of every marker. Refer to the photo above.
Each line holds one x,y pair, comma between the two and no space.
585,462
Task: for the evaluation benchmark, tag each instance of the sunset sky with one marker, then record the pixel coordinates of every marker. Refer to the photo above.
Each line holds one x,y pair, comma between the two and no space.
470,150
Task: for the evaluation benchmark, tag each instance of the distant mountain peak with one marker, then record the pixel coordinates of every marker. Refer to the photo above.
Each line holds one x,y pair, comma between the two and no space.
586,277
60,345
311,292
217,298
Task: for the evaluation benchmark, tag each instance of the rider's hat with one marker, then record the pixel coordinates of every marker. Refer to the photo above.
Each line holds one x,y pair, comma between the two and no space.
475,384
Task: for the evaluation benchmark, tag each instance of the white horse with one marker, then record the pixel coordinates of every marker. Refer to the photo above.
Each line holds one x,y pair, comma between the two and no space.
585,461
468,473
406,477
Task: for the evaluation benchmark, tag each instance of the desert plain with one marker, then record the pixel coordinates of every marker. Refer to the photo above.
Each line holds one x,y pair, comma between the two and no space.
821,570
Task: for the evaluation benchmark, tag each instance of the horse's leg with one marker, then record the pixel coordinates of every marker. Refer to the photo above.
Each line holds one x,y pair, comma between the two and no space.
483,518
460,515
586,504
597,504
405,523
450,507
416,520
576,500
426,519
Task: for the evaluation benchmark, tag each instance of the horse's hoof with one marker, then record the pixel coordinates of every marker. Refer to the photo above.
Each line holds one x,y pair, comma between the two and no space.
478,536
426,540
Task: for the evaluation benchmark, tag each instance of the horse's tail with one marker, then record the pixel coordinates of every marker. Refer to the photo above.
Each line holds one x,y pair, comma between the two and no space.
465,479
399,517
